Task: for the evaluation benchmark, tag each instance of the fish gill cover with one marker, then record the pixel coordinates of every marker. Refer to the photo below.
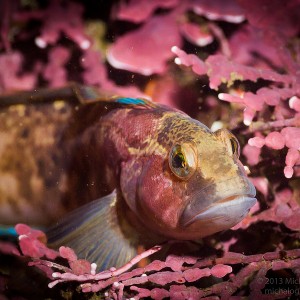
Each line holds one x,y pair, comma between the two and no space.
232,64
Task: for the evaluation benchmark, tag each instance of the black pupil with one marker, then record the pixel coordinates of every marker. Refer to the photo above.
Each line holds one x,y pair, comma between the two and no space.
178,161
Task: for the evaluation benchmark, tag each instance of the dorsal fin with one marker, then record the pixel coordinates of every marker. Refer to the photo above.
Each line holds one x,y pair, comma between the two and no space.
8,231
125,102
73,93
136,102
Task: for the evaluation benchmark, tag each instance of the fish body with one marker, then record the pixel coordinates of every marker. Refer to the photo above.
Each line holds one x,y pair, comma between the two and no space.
155,171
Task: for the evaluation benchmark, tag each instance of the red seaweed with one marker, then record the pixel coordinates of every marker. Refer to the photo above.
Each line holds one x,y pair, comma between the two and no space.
232,64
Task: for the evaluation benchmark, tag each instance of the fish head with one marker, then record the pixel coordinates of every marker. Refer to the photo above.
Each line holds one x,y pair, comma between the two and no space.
193,185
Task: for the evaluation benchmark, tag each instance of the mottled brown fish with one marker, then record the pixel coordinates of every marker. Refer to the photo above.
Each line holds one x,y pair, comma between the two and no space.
138,172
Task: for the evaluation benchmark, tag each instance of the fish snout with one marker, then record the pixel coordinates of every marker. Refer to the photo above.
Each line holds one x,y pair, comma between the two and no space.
218,206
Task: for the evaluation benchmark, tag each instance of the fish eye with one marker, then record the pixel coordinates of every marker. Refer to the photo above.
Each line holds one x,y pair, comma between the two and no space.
182,160
235,146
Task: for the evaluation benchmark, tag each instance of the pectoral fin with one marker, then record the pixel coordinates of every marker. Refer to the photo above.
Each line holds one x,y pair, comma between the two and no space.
96,232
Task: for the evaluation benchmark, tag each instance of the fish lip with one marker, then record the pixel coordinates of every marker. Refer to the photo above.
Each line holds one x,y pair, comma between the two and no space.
222,208
210,212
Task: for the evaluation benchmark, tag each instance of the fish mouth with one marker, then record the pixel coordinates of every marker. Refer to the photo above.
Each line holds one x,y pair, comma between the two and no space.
220,206
231,209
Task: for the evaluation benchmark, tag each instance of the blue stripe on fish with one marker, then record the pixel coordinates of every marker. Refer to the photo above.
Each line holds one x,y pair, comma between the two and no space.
8,231
132,101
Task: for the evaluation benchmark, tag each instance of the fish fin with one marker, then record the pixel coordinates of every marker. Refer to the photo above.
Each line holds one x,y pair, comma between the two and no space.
97,233
73,93
135,102
139,103
8,231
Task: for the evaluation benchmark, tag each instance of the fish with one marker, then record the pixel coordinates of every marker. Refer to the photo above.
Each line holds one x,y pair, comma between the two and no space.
108,174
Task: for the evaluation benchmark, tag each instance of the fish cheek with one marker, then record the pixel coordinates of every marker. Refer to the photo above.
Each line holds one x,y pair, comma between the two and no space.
130,173
159,199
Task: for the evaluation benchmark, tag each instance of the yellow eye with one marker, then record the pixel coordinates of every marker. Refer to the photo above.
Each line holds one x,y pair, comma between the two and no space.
182,160
235,146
